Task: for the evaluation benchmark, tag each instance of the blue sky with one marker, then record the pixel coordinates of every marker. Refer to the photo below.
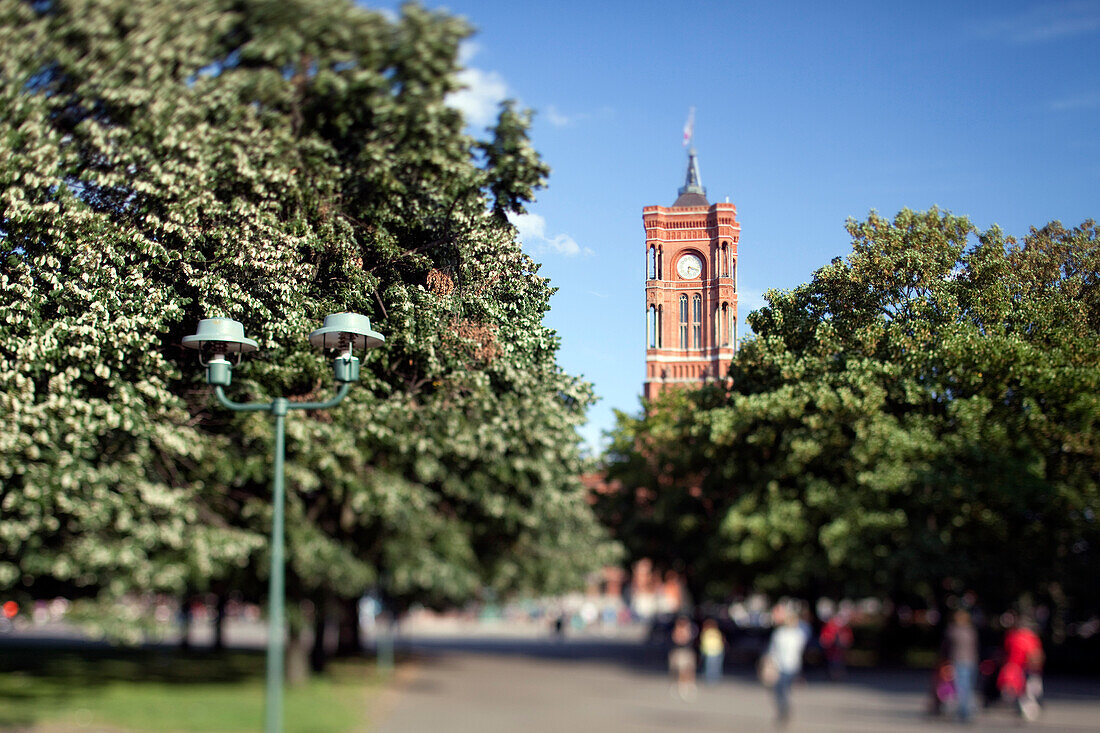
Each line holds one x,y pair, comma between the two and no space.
806,114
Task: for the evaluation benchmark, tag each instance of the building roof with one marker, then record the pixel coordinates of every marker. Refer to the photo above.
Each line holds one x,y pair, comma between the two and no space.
690,199
692,193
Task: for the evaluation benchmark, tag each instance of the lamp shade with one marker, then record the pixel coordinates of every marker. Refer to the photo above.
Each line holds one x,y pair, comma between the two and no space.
354,327
224,331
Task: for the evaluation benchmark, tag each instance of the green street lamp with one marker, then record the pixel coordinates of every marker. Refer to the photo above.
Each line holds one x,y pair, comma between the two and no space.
217,338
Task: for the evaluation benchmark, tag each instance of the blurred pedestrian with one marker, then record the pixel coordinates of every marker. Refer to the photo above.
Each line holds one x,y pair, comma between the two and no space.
681,658
806,623
785,655
713,648
1020,679
836,639
960,650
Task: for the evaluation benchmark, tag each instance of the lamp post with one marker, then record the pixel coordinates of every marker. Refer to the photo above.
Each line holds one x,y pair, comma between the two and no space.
220,337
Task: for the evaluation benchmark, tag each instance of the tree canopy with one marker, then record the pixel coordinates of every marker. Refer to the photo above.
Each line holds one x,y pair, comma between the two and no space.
271,162
923,414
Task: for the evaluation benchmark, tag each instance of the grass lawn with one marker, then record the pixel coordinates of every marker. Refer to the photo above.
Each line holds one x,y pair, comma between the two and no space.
156,691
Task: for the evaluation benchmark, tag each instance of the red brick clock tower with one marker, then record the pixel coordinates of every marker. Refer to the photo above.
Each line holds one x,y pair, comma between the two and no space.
690,289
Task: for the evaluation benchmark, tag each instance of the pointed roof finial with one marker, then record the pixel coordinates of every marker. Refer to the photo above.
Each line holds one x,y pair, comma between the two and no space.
692,193
693,183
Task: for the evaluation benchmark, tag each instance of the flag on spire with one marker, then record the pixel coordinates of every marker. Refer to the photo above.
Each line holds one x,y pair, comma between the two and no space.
689,127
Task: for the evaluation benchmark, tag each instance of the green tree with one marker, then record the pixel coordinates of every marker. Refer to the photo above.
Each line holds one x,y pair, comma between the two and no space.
271,162
513,166
923,411
666,502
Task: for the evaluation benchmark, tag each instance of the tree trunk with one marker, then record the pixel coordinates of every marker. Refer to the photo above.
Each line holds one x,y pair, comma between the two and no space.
219,623
297,657
185,623
318,655
350,643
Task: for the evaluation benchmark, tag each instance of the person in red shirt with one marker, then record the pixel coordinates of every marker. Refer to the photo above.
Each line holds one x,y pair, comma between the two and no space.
836,638
1020,679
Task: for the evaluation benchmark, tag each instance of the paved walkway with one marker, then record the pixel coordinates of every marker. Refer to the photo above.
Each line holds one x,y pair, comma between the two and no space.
460,691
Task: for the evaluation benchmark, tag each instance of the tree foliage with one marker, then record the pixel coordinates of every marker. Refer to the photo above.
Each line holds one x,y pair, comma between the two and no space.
923,412
162,162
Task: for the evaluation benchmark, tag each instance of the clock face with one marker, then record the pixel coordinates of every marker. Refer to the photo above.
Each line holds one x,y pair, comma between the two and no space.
689,267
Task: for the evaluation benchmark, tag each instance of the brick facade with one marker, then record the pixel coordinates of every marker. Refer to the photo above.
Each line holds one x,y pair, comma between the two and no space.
691,316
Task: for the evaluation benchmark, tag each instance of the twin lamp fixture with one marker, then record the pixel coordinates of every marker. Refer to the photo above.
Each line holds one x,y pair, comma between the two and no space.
344,332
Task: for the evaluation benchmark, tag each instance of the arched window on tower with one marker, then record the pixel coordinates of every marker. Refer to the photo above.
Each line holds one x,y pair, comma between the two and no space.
724,324
733,333
733,274
651,327
651,263
697,319
660,265
660,326
683,321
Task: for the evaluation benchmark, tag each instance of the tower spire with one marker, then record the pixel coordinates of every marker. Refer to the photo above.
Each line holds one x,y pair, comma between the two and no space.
692,193
693,183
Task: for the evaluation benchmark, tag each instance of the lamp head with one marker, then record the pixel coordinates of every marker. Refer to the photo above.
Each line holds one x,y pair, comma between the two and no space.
221,335
346,331
218,337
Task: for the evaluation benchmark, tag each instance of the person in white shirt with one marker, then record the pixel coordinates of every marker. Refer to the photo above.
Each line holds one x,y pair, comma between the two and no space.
785,651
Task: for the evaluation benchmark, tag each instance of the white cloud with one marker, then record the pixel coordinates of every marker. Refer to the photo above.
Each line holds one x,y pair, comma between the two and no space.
532,233
479,100
1046,22
1089,100
557,118
466,52
482,91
